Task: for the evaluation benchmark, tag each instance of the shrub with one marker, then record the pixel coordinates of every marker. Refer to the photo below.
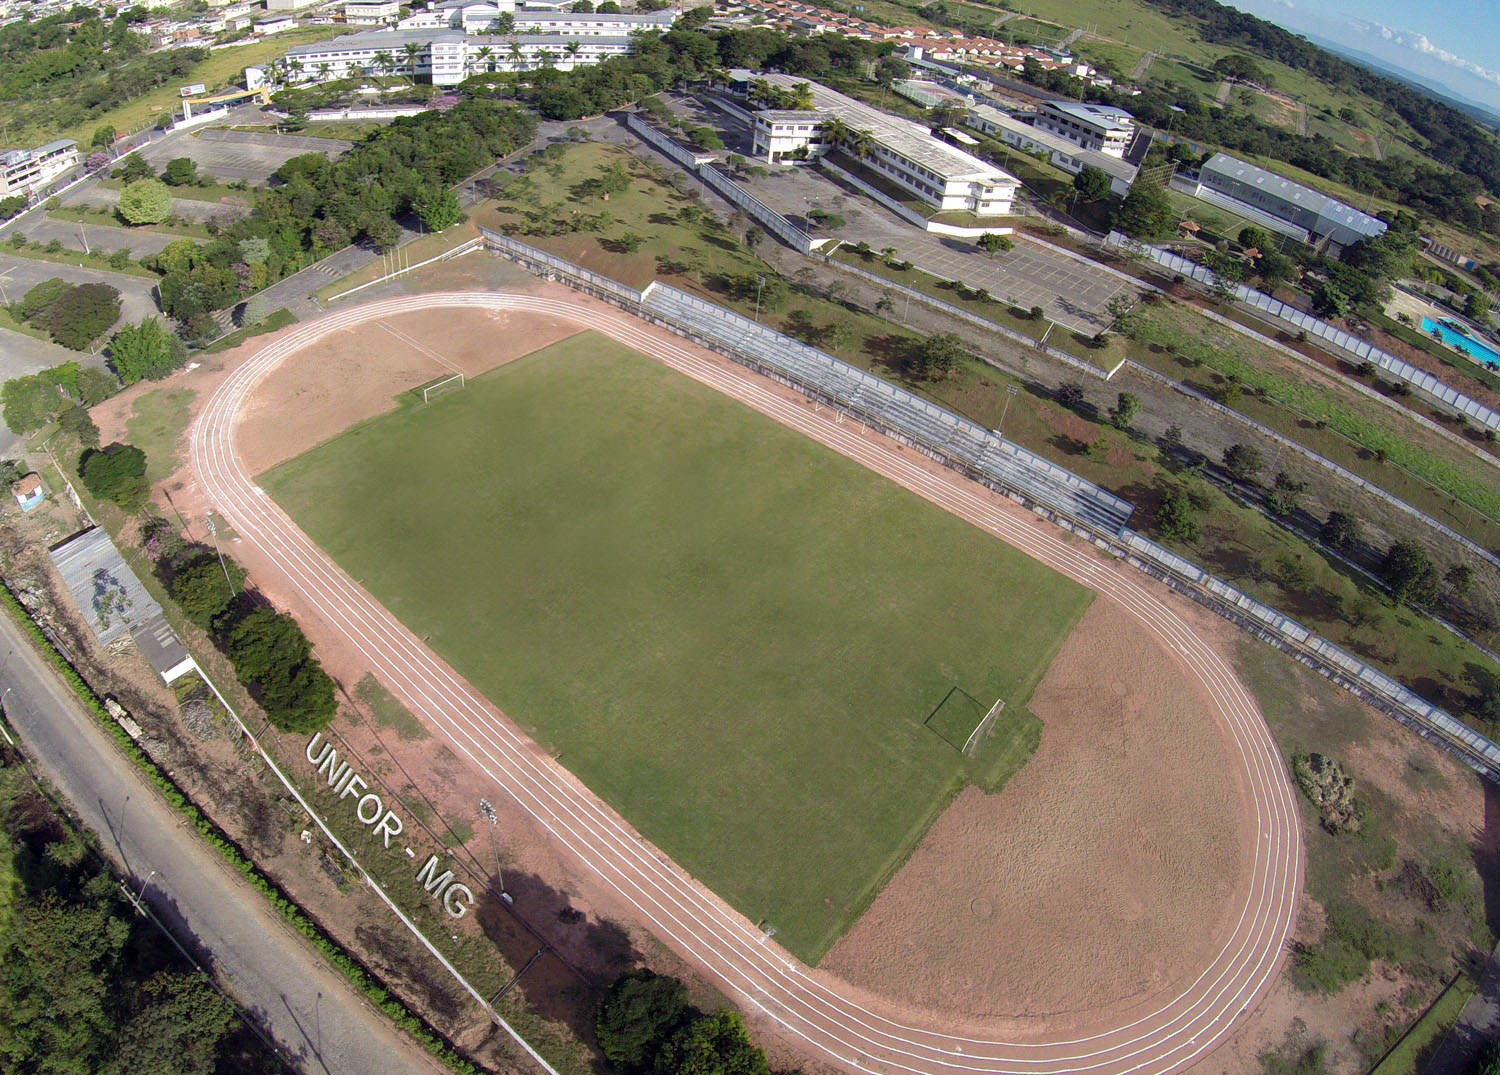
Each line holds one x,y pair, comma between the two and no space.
145,201
116,473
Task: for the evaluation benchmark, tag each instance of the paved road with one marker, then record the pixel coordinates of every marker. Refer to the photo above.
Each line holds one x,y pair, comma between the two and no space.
92,194
107,237
851,1031
310,1009
249,155
137,293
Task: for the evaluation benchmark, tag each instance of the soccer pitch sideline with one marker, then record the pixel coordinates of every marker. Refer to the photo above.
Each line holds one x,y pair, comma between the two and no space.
746,643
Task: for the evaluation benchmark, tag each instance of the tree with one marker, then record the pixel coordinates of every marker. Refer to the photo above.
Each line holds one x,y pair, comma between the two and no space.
939,355
272,656
1476,307
146,201
104,137
1342,532
1328,300
1176,518
1285,495
1146,213
608,7
1409,572
29,403
891,69
992,242
1251,237
438,208
1126,407
147,351
82,314
76,423
1460,578
11,206
640,1011
1243,462
201,590
1092,183
179,1030
116,473
180,172
581,7
711,1045
134,168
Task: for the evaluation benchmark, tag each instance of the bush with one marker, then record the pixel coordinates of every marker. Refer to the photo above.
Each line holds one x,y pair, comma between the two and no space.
180,172
145,201
116,473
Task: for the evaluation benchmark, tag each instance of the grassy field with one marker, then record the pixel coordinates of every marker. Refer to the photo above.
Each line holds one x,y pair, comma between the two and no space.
730,633
223,68
156,426
278,319
1417,1044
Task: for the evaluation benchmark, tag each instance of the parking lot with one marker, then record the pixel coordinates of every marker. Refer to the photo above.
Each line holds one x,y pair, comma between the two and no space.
1074,294
251,156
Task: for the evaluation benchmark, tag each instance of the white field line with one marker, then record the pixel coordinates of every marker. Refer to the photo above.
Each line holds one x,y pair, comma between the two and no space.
807,1004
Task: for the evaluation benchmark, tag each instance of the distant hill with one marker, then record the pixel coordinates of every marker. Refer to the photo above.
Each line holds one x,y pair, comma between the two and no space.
1480,113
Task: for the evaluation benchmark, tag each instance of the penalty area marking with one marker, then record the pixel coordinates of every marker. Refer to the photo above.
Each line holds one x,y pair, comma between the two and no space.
422,347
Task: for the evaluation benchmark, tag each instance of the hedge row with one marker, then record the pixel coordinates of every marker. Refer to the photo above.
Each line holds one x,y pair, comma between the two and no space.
354,971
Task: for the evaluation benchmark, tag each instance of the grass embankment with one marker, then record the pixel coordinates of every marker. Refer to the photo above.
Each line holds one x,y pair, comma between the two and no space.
732,634
1355,432
277,320
198,192
87,214
95,259
1415,1047
220,69
411,252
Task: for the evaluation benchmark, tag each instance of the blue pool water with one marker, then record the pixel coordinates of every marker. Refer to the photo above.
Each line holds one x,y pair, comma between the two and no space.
1472,347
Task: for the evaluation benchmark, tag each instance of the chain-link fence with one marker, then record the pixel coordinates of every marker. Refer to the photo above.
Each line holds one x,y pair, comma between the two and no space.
1353,345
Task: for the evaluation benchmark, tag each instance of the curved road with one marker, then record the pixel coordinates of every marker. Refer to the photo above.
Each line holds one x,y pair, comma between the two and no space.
821,1011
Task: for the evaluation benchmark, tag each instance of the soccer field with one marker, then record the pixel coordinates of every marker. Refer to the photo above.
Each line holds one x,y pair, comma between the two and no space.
732,634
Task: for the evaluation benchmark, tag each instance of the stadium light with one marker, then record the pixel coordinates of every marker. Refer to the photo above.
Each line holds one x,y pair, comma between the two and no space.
1010,394
487,810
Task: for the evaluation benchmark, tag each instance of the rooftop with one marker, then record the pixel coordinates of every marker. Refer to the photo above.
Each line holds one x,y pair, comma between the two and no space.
1114,119
1112,166
1313,200
911,140
107,592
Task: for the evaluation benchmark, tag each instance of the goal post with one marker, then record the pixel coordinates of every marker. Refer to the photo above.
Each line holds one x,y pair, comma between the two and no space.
442,384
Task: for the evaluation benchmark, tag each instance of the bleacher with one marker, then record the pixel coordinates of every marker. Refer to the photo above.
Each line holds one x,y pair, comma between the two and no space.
891,407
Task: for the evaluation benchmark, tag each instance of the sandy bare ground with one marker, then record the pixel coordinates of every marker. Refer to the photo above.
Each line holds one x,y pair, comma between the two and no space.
1101,876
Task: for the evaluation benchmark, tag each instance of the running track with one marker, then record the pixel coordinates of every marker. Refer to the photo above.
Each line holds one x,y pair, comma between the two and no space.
808,1005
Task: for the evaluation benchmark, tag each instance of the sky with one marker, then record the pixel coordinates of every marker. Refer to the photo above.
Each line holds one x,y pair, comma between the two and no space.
1451,45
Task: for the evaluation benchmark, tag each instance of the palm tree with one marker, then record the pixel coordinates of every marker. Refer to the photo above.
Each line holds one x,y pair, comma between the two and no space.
545,57
323,71
412,50
802,96
517,56
383,62
834,131
572,49
483,54
861,144
294,67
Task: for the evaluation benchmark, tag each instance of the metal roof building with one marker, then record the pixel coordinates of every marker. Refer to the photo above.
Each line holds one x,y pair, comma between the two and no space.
1314,211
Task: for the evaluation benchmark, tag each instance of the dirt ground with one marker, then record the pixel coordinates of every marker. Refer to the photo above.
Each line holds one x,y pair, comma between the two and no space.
1105,873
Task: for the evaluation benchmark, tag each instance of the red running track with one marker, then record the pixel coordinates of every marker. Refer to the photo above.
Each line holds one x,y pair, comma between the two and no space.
829,1018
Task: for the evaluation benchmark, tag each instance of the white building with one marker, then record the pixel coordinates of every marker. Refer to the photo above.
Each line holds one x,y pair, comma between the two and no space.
446,57
903,152
288,5
371,12
23,171
1246,188
275,25
1061,152
478,16
1104,130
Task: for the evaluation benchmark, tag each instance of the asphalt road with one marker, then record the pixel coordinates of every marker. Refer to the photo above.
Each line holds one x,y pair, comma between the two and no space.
311,1010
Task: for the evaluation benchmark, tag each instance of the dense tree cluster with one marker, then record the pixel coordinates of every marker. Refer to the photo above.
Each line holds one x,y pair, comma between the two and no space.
116,473
270,654
645,1026
147,351
64,69
88,985
74,315
31,401
321,205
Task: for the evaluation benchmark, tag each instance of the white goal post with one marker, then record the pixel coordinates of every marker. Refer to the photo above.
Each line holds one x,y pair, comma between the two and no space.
452,380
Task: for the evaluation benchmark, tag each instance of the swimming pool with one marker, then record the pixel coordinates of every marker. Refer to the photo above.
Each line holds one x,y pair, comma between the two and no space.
1470,346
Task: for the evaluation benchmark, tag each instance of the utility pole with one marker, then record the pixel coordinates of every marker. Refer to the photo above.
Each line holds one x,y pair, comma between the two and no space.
214,533
1010,394
760,282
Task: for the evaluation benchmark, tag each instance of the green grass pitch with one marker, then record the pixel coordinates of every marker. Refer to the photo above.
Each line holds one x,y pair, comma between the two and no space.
731,633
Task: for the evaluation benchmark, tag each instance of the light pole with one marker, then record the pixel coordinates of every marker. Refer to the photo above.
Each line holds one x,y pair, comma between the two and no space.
489,815
760,282
213,533
142,891
1010,394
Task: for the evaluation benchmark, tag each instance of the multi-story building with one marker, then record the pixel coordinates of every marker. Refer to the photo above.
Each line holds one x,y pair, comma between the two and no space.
1061,152
446,57
371,12
903,152
24,171
1104,130
479,16
1229,179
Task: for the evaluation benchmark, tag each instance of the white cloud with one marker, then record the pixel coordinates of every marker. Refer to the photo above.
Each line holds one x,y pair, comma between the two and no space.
1420,43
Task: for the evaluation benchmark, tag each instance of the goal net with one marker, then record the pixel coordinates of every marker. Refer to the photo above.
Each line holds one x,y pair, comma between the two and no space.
452,382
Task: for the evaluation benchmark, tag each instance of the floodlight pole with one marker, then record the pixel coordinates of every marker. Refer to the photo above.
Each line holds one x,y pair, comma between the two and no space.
489,815
1010,394
213,533
760,282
